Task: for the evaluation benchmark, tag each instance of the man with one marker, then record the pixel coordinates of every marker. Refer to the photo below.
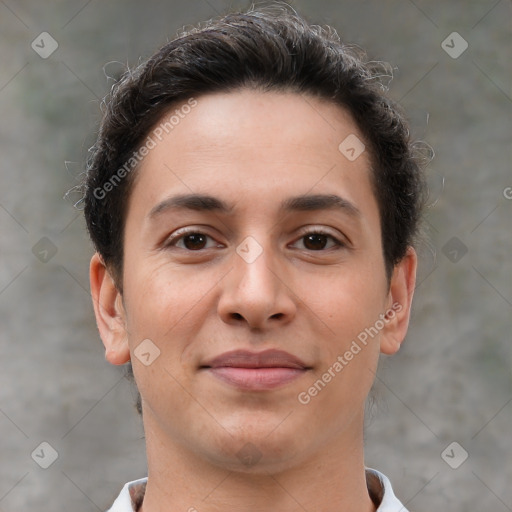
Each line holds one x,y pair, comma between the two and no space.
253,199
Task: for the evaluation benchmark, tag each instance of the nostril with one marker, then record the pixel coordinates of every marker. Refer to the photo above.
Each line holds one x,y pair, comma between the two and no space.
237,316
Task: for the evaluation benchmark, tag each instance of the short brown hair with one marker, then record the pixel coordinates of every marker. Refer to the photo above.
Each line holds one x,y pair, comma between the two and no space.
268,49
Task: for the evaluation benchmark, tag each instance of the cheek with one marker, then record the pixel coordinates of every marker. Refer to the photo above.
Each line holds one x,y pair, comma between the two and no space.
347,299
347,310
166,307
170,307
162,299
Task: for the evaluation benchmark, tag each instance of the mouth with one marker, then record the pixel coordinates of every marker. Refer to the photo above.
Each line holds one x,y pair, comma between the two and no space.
256,371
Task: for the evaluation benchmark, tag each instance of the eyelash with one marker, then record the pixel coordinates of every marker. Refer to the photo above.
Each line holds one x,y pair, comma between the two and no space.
180,235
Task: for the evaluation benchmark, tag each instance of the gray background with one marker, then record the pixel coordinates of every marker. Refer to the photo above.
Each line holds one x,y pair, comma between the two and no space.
451,381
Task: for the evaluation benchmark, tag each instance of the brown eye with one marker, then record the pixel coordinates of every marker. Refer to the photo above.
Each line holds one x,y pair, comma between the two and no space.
194,241
318,241
315,241
191,241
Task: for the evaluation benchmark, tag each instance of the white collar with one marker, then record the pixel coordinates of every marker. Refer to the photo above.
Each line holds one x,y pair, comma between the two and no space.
133,492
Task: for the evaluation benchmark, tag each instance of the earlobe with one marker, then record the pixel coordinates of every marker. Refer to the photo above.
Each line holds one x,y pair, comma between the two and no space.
109,312
401,291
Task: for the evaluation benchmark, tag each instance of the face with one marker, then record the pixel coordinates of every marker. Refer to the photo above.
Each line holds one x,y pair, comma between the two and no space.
255,300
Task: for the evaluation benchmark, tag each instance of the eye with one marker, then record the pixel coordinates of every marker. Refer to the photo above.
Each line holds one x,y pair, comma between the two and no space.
319,240
314,240
191,241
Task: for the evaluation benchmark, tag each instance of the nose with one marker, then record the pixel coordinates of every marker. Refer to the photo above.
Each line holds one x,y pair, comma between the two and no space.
256,292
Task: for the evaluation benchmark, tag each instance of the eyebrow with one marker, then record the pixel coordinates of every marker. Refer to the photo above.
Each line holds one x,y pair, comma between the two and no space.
205,202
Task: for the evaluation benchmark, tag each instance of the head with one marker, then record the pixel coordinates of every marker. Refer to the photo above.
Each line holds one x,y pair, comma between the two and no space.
253,188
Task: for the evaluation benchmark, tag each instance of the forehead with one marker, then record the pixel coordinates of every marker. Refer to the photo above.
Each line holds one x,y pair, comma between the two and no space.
262,146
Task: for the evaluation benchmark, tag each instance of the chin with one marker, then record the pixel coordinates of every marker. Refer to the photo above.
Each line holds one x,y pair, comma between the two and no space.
253,458
257,447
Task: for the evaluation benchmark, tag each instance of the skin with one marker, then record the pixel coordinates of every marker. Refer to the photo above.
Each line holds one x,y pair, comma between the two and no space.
253,150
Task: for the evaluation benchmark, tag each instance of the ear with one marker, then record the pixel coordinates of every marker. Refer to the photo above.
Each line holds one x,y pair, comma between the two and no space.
109,311
399,301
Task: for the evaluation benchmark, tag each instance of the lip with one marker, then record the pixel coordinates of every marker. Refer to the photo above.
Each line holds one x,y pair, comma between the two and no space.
256,370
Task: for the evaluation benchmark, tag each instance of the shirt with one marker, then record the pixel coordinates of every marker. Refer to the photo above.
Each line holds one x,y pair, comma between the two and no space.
379,488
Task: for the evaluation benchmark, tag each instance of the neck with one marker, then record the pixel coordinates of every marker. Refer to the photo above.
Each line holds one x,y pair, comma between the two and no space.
331,480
